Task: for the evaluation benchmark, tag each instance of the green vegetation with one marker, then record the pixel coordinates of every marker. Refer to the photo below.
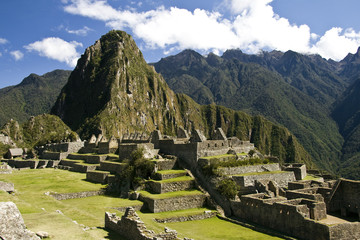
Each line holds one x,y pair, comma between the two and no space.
170,194
290,89
33,96
177,179
228,188
173,171
211,169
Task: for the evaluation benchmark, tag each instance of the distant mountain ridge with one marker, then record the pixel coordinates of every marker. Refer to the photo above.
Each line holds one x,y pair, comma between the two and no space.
33,96
114,91
298,91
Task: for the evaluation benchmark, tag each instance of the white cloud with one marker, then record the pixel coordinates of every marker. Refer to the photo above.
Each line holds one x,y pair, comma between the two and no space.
17,55
57,49
80,32
254,26
336,43
3,41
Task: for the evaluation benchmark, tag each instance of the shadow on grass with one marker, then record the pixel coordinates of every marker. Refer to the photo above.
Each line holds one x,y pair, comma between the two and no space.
112,234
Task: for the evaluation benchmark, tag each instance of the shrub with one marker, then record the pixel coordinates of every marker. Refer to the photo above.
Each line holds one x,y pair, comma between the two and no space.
228,188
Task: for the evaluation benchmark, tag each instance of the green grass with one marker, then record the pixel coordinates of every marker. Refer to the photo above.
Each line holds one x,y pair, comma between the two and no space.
179,213
260,173
177,179
220,156
212,228
170,194
39,210
311,177
163,172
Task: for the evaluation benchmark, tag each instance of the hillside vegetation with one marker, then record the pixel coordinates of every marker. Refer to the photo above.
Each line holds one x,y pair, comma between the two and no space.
113,91
33,96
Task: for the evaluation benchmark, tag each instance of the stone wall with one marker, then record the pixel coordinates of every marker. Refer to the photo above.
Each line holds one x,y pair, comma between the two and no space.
157,187
23,163
281,178
12,224
93,159
131,227
54,155
299,170
249,168
291,217
97,176
65,196
346,197
113,167
201,216
78,167
69,147
172,204
308,193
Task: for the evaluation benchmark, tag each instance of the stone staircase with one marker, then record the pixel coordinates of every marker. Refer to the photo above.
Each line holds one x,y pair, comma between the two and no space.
171,189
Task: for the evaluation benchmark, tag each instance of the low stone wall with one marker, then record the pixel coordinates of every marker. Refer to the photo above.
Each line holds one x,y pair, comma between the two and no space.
92,159
308,193
165,164
345,231
164,187
172,204
201,216
281,178
159,176
65,196
53,155
23,164
78,167
68,147
294,217
97,176
249,168
130,226
113,167
7,187
69,163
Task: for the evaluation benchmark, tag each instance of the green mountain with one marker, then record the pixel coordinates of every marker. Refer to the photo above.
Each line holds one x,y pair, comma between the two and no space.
33,96
38,130
113,90
287,88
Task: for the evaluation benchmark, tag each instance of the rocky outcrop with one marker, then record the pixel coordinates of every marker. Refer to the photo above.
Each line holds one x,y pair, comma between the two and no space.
12,226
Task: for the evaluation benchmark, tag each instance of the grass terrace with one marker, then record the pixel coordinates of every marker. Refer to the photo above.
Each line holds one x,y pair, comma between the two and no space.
170,194
66,219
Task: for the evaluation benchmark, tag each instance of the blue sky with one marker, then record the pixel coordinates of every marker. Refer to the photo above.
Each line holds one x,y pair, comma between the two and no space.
39,36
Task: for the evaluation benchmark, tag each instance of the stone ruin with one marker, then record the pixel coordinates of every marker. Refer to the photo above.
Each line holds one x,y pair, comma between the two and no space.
302,211
130,225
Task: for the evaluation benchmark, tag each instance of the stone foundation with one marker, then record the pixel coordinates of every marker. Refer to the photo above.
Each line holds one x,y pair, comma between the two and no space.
97,176
172,204
249,168
65,196
281,178
164,187
130,226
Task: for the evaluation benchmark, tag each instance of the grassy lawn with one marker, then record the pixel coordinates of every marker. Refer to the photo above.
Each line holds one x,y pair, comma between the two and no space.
312,177
162,172
177,179
66,219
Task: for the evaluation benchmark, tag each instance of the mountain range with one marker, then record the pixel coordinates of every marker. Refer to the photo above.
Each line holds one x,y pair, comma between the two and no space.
313,97
113,90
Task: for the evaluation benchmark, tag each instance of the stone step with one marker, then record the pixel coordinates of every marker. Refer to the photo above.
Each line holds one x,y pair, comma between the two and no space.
113,167
84,167
185,215
165,164
88,158
167,174
97,176
170,185
69,162
172,201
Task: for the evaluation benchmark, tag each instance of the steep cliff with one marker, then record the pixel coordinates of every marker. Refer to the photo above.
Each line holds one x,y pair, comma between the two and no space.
113,90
